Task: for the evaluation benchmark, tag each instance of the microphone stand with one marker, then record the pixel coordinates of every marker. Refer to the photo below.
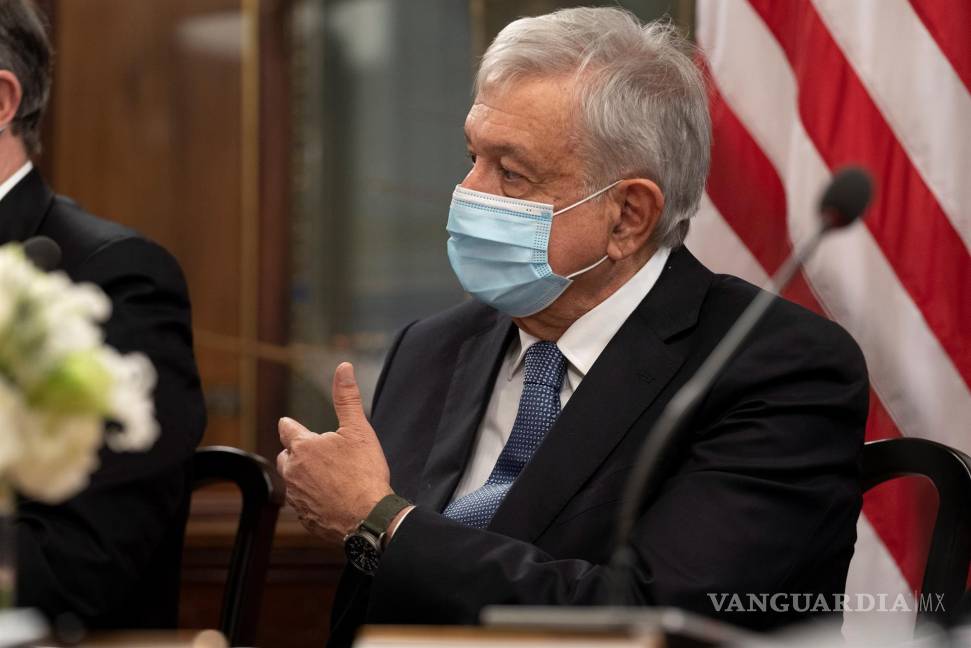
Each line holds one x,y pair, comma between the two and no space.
643,479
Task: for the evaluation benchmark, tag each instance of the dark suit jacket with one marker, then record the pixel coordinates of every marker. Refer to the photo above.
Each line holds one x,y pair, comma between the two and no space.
763,494
111,555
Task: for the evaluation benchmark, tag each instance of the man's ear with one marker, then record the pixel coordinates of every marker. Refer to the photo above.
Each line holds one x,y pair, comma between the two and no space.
10,95
643,202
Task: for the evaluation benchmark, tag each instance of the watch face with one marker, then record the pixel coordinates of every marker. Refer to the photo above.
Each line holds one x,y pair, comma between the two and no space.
362,552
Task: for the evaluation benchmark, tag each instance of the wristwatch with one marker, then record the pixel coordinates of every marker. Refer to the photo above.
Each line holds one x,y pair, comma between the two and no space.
363,545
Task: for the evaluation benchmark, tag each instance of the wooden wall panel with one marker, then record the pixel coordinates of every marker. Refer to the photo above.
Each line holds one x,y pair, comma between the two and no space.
275,145
147,128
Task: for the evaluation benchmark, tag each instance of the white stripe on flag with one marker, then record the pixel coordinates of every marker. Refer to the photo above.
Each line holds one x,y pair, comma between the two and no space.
740,48
909,369
717,245
925,103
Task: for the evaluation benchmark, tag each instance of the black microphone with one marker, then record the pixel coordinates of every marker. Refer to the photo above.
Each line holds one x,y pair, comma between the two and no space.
842,203
43,252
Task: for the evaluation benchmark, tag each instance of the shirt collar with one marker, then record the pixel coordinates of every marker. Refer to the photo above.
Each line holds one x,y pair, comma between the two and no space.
17,176
585,340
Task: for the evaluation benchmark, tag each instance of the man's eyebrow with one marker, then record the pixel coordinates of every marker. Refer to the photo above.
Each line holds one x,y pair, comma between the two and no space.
504,149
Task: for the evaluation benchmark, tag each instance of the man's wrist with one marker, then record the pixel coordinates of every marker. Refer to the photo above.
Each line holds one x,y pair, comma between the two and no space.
395,523
363,547
382,516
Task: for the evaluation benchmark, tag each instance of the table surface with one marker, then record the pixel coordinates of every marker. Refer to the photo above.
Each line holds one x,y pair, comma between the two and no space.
157,639
468,637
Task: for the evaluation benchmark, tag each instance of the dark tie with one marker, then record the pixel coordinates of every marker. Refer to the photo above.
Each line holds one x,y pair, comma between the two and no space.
539,406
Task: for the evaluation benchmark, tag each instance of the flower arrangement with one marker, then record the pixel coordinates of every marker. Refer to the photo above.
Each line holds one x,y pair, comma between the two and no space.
63,391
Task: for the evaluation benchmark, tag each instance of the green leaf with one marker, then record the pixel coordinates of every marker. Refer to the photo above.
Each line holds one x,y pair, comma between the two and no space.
79,385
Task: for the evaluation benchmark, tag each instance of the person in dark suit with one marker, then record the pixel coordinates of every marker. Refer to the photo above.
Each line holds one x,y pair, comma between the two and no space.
110,556
503,430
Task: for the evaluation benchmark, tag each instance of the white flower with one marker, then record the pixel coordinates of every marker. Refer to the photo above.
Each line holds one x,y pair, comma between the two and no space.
60,384
60,453
130,402
71,316
12,423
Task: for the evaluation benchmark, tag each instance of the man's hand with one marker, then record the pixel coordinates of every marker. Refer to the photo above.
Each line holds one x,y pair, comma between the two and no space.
334,479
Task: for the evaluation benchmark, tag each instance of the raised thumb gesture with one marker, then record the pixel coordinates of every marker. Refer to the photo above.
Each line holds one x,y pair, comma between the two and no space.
347,401
334,479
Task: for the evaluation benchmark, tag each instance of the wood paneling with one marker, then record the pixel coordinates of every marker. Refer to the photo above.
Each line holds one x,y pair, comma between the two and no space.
275,205
146,123
145,128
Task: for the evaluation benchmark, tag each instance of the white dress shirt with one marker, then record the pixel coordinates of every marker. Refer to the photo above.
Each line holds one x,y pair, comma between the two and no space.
581,345
12,181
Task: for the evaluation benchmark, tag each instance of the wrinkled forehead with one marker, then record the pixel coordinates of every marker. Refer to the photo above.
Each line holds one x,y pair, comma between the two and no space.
537,114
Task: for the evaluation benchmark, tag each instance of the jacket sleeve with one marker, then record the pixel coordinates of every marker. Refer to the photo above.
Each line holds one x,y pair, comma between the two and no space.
765,490
89,555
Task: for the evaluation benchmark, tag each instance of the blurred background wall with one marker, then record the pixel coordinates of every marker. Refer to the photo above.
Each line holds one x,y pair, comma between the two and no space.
298,157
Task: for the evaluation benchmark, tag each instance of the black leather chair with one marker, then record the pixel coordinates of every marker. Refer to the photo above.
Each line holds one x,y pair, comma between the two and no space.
263,494
949,557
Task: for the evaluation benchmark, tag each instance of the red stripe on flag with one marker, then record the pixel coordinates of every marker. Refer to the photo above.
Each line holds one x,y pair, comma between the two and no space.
927,255
949,23
749,195
737,160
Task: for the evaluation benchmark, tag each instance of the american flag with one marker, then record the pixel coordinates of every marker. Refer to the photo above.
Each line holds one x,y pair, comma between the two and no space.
799,89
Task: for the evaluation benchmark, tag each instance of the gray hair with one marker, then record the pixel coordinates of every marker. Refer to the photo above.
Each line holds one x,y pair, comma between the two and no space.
26,51
642,100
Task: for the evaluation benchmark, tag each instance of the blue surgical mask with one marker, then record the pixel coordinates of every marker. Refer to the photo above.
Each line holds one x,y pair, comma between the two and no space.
498,249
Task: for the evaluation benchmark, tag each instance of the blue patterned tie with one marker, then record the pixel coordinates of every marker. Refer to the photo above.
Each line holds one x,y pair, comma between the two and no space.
539,406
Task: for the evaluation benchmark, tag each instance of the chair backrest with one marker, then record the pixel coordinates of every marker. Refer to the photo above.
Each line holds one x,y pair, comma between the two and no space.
263,494
949,557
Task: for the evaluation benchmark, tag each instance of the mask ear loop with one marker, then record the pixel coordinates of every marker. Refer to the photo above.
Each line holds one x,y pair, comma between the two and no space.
590,197
588,268
580,202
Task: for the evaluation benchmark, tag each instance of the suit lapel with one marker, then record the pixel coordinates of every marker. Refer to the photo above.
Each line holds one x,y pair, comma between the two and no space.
627,377
23,209
476,366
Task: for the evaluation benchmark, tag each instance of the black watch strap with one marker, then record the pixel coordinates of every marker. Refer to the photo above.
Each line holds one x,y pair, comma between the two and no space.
384,511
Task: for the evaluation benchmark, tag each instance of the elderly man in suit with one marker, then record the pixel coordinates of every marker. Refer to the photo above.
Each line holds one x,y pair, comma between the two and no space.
110,556
503,430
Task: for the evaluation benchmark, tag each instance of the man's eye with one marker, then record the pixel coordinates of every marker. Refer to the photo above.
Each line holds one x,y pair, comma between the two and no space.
510,175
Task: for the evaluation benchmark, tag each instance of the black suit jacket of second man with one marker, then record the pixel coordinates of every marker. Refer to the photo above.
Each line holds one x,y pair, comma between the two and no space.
762,496
111,554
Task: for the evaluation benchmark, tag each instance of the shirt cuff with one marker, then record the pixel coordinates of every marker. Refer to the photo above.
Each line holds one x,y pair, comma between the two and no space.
394,528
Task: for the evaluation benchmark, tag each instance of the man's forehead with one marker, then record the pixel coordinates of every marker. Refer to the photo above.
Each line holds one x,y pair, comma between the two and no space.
528,113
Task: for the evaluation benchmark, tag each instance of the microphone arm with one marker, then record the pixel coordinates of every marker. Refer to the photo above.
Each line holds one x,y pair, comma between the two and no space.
682,405
842,203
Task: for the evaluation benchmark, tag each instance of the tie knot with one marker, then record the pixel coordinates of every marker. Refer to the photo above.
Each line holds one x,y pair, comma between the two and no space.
545,365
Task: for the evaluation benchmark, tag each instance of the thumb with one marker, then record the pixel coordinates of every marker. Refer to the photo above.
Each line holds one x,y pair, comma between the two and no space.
347,397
